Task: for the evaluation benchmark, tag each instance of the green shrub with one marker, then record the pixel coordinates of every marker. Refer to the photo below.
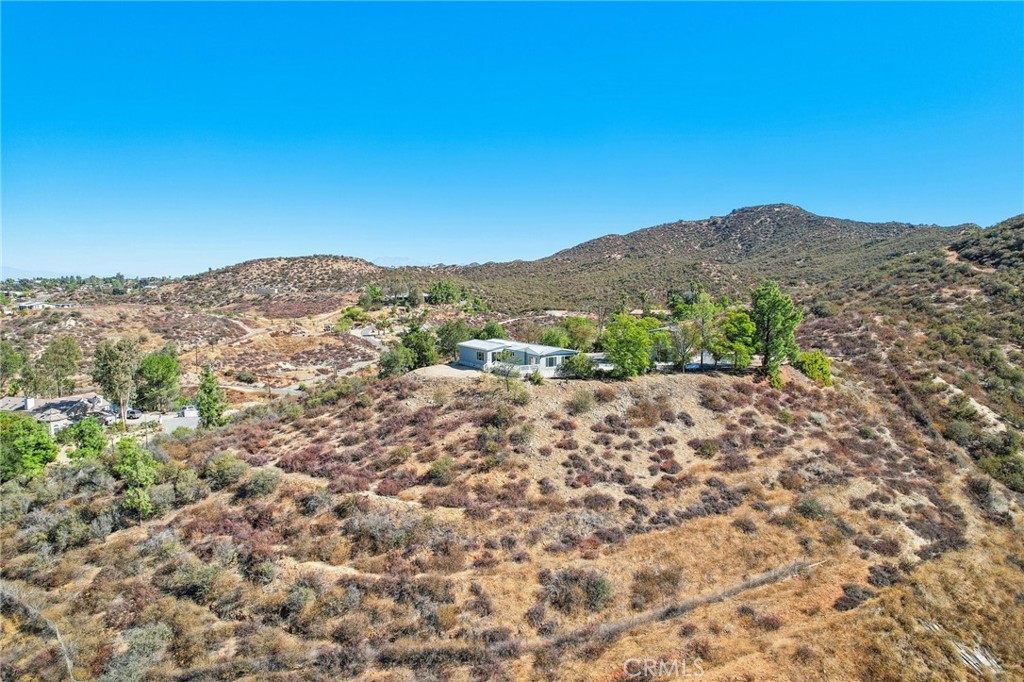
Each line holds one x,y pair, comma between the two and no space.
163,497
188,488
137,502
69,531
811,508
146,645
706,449
134,464
192,579
440,472
181,432
581,401
518,394
816,366
262,482
577,366
1008,470
574,589
224,469
245,376
87,435
397,361
25,446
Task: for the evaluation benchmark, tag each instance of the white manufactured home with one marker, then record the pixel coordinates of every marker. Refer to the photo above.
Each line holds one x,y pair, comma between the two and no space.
486,354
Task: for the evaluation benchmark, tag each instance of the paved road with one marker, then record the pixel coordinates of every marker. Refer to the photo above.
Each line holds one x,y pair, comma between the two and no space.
367,334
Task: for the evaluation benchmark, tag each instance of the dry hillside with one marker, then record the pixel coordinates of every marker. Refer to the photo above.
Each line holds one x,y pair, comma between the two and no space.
458,529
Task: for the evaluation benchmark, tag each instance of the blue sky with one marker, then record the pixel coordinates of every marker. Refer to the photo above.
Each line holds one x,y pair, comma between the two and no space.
170,138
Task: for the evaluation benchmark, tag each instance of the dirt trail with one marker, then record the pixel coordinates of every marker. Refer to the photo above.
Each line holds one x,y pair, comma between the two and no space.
954,257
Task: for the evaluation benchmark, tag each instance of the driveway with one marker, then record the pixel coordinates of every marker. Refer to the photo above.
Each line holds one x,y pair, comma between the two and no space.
171,423
452,371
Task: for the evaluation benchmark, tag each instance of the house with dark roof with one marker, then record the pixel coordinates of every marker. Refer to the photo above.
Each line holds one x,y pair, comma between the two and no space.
59,413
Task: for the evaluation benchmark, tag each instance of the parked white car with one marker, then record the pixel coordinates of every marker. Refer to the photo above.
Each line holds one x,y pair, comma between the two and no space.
188,411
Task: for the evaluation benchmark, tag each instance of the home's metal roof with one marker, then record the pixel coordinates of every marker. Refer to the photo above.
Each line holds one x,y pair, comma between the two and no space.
482,344
505,344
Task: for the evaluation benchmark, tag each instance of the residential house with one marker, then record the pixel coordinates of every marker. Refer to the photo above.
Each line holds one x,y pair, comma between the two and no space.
34,305
486,354
59,413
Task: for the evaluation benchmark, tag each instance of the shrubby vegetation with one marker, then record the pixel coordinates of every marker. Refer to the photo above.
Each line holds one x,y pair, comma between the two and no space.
25,446
87,437
816,366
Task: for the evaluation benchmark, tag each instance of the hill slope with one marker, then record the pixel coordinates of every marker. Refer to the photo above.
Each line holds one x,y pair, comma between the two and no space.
728,252
778,240
280,275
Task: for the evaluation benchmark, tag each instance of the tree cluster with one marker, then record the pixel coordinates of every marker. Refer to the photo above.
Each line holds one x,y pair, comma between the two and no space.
702,328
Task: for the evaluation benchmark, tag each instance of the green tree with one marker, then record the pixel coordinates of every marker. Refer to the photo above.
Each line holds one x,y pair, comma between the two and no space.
816,366
25,445
114,369
555,336
423,346
776,319
397,361
33,381
490,330
371,298
59,362
661,346
582,332
134,464
138,502
627,345
701,312
736,338
577,366
87,436
684,340
414,297
158,380
11,362
210,401
449,335
443,291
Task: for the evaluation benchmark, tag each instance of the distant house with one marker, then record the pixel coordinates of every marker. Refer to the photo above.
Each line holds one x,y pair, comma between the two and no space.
59,413
34,305
527,357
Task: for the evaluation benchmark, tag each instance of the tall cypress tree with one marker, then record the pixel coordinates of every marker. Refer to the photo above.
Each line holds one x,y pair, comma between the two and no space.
776,318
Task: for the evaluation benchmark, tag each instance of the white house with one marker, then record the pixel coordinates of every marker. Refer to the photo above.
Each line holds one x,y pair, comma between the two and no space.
34,305
527,357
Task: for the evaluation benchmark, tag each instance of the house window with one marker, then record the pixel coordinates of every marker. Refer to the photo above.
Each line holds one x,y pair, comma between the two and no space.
534,360
551,362
479,356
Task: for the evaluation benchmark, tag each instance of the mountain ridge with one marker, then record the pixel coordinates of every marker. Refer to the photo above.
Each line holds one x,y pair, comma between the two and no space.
778,240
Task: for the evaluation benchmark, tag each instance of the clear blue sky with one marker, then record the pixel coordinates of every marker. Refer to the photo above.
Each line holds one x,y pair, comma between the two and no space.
169,138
